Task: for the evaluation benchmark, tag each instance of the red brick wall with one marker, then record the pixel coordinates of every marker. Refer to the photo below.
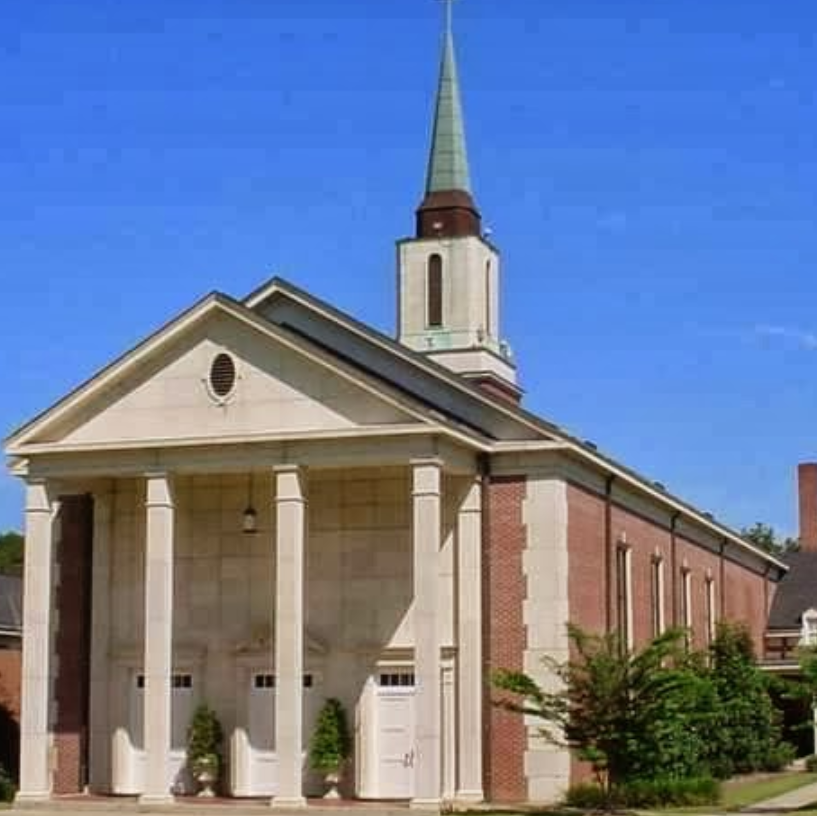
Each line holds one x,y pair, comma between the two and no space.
646,541
10,677
747,600
72,643
587,583
11,664
504,593
746,594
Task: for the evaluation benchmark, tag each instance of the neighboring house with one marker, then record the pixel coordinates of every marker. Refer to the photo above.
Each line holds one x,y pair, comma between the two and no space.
268,503
793,615
11,642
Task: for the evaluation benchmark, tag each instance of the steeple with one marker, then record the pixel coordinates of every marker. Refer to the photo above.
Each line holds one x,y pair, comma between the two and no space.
449,298
448,209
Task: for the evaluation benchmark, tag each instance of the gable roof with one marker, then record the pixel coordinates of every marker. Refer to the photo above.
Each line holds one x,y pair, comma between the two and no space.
796,593
20,440
543,429
418,384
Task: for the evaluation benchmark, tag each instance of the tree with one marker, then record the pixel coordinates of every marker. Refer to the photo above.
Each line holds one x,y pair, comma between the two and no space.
11,552
747,730
764,537
632,715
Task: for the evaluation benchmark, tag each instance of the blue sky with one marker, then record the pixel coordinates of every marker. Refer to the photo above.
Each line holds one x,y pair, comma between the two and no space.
648,169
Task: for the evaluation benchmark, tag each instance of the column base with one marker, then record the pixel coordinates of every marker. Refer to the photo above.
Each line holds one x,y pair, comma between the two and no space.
23,799
428,805
469,797
152,799
284,802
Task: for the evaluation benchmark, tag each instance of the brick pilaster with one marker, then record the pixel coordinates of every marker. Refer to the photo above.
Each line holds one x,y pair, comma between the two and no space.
72,644
505,637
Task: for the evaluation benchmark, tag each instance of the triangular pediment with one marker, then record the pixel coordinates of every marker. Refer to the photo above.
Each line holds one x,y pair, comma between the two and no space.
282,387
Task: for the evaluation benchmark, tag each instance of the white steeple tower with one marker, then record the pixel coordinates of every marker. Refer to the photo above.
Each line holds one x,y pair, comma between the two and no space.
449,273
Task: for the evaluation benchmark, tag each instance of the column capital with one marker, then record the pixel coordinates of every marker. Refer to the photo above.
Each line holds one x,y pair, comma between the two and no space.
426,477
472,500
290,484
159,490
39,498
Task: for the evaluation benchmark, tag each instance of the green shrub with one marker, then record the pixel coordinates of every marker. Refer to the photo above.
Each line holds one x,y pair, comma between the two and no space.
779,757
811,763
648,793
331,745
7,789
586,796
204,737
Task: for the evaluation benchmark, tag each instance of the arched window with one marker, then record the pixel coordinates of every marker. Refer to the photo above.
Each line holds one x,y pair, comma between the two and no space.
435,291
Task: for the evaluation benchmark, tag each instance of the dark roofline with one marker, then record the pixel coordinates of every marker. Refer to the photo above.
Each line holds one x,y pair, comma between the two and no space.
509,409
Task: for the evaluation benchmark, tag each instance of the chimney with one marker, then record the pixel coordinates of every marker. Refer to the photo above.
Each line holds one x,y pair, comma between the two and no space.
807,488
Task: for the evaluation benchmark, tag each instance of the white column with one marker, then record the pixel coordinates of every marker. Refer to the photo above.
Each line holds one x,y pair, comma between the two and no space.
101,743
426,533
469,645
158,661
290,540
35,736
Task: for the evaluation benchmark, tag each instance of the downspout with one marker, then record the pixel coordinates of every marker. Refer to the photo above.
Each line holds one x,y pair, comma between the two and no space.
608,550
673,557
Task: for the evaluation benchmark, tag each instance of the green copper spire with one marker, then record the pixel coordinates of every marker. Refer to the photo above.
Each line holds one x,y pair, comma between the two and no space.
448,162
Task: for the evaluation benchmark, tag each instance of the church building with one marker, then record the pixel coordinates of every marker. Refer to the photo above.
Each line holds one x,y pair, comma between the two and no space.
267,504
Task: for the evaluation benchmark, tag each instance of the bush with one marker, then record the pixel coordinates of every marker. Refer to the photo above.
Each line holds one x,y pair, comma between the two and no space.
811,763
586,796
331,744
646,793
779,757
204,737
7,789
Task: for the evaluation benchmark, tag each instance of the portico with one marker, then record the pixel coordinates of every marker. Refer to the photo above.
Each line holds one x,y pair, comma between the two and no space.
355,572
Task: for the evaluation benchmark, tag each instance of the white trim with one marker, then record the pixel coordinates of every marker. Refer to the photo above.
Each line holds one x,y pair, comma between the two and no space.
686,598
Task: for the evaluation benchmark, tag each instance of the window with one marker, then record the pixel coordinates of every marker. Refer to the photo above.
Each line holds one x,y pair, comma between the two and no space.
435,291
267,681
711,618
686,598
657,593
625,600
396,678
222,376
177,681
808,635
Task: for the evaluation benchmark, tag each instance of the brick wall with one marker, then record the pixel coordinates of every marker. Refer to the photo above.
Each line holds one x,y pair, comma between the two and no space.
10,676
72,644
504,593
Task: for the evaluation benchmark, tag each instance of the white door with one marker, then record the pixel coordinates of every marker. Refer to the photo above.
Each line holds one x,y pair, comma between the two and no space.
261,777
261,735
395,734
132,774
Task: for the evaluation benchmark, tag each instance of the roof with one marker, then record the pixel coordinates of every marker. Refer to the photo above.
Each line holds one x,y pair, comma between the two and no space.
454,402
448,162
796,593
11,605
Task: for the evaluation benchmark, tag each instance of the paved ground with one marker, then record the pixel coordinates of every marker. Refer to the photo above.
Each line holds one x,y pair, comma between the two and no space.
793,800
119,806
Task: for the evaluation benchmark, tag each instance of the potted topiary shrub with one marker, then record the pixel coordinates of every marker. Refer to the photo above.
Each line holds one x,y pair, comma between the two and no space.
330,746
204,736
